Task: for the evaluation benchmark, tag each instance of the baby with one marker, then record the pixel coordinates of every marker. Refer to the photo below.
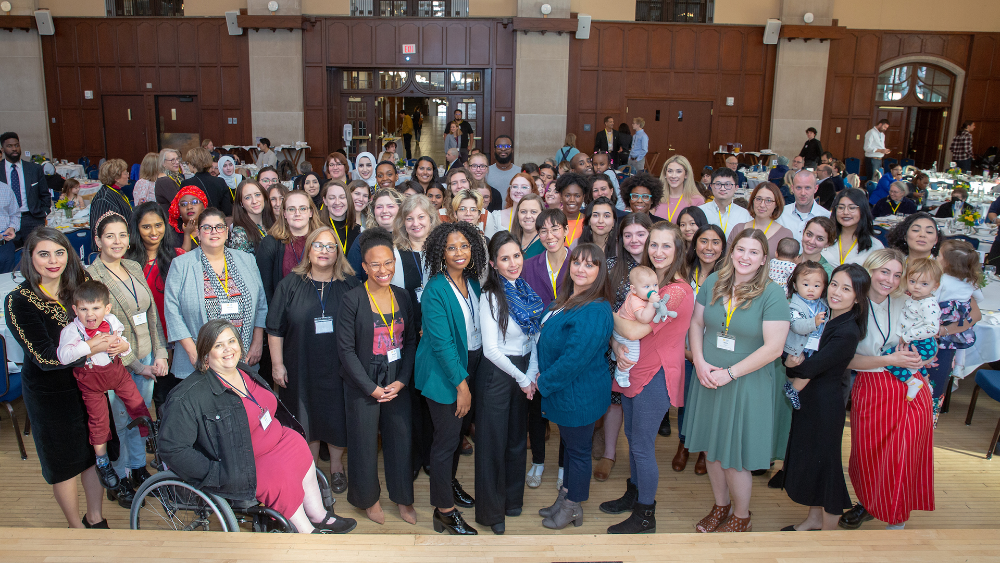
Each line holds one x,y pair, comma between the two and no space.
781,267
808,310
921,318
643,304
94,331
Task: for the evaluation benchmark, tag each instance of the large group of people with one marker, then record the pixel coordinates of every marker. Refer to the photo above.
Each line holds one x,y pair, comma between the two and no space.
358,313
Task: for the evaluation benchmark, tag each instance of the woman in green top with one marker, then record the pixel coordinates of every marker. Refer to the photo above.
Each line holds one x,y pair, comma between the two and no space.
738,329
818,234
449,355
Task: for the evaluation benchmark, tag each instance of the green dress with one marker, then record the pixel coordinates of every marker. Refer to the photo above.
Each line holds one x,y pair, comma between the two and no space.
734,423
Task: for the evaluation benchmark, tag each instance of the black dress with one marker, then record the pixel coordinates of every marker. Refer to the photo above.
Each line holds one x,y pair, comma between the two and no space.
51,396
814,467
315,390
218,192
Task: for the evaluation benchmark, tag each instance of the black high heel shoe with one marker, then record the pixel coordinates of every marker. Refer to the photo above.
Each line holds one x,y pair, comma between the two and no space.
453,522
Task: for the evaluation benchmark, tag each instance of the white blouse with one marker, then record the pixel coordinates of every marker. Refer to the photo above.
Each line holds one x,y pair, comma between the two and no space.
832,253
497,347
884,322
474,338
498,221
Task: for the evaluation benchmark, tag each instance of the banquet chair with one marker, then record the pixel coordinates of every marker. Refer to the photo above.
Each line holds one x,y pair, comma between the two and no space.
881,234
10,391
987,380
908,162
973,241
853,165
888,163
80,239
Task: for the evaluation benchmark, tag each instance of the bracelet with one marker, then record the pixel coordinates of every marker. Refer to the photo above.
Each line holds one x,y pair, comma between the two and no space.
730,372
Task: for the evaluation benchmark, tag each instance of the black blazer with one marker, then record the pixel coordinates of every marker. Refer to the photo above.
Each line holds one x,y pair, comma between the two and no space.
270,255
356,331
601,141
36,188
945,210
216,189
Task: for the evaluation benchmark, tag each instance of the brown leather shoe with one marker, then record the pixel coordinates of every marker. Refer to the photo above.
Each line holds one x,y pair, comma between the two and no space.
734,524
680,458
717,516
597,447
603,469
701,466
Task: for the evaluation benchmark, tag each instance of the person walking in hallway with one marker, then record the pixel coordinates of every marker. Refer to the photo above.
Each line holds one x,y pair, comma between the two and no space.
406,130
640,146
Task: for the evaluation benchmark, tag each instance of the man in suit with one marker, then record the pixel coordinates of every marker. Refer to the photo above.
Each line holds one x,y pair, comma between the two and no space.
454,159
27,181
607,140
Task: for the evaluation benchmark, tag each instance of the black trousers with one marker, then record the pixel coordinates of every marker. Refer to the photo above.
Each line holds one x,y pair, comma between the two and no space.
407,139
448,431
536,429
162,387
501,442
365,418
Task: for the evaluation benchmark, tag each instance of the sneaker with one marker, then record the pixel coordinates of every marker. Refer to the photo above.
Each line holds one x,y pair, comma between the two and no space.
793,396
109,479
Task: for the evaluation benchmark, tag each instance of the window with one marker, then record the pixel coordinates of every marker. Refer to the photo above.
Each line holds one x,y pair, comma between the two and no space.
432,81
933,85
392,79
893,84
358,80
914,85
115,8
411,8
466,81
685,11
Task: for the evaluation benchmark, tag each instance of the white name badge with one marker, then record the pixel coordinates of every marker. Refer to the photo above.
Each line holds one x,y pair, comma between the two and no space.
419,292
476,342
265,419
139,318
725,342
394,355
230,308
324,325
812,343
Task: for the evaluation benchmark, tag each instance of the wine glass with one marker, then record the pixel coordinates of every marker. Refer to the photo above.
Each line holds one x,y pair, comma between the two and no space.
991,271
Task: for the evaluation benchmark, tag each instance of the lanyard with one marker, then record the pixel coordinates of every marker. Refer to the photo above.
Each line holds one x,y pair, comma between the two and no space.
728,209
296,255
467,301
135,294
697,284
553,276
572,234
340,241
247,395
895,208
319,293
232,192
420,268
262,232
730,309
888,314
510,222
849,249
672,214
224,280
765,230
54,298
392,312
112,188
194,240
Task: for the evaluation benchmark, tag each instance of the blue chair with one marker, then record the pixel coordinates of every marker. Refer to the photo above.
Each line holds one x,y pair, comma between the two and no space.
869,186
988,380
84,161
411,162
888,163
82,244
908,162
92,173
881,235
973,241
133,174
853,165
10,392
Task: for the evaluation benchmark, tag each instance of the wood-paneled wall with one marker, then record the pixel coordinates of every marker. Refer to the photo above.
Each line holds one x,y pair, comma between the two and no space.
175,56
674,62
366,43
853,74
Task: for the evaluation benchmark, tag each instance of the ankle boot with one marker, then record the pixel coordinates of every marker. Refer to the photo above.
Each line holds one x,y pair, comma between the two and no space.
641,521
623,504
453,522
701,466
124,493
567,512
680,458
550,510
139,476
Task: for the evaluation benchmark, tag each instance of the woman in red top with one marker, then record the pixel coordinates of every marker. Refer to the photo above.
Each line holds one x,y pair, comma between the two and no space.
655,381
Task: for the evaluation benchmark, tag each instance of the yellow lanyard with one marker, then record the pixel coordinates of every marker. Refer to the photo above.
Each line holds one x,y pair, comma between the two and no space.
224,280
510,223
392,313
336,234
765,230
572,234
728,207
895,208
672,214
121,196
552,276
849,249
697,284
194,240
730,309
46,292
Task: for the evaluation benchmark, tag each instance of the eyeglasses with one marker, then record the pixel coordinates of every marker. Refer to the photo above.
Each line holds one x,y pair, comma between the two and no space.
375,266
477,166
504,147
641,197
464,209
456,249
267,181
209,229
297,210
848,208
767,201
175,159
186,204
723,185
329,247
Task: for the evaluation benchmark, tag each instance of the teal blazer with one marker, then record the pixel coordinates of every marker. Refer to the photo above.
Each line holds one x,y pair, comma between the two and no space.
443,353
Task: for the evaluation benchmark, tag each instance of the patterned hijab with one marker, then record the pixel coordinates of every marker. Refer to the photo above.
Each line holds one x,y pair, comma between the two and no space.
524,305
174,213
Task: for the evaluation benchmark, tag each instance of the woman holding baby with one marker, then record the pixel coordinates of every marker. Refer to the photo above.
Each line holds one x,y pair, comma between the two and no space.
657,378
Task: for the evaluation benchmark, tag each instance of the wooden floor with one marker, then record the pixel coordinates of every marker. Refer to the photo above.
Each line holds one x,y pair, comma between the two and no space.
967,490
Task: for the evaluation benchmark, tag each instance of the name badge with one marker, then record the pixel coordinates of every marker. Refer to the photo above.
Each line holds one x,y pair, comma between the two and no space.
393,354
419,292
324,325
812,343
230,308
265,419
476,342
725,342
139,318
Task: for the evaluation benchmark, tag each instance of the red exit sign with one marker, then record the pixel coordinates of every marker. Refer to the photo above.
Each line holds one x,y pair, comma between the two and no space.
409,48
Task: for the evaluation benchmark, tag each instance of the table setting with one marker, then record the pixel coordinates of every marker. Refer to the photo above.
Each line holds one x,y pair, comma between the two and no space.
69,170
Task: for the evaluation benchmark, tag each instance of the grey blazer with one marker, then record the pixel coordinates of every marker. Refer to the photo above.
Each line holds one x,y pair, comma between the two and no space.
184,300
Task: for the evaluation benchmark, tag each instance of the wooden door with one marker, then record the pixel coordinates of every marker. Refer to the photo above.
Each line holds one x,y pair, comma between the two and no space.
359,112
690,132
472,111
655,113
125,134
895,136
178,121
927,128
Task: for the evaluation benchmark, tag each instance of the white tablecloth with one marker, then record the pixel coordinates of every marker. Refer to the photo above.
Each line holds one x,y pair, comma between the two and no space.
15,355
987,346
70,171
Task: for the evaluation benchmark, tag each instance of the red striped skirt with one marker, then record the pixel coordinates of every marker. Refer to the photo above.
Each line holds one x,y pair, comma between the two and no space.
892,447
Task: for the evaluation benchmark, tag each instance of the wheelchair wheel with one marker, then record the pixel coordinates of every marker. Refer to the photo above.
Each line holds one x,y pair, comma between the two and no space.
164,502
324,490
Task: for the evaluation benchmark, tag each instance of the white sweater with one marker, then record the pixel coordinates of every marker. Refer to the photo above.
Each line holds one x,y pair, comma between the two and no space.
496,347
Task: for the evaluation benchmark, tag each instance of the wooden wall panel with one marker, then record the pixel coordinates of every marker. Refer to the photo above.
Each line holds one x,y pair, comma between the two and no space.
676,62
175,56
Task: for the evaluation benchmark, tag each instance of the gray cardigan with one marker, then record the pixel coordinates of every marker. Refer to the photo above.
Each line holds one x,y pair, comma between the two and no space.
802,324
184,300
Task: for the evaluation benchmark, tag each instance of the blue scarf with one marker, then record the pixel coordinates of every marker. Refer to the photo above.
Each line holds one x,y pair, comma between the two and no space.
524,305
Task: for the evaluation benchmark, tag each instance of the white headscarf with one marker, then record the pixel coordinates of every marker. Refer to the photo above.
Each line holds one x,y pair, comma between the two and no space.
357,161
234,180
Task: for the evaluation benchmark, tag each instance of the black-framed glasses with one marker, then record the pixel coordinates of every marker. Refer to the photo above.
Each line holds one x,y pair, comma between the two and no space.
209,229
759,199
723,185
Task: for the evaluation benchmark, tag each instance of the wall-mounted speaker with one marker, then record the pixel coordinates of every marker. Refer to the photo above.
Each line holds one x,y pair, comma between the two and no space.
583,26
234,28
771,31
43,20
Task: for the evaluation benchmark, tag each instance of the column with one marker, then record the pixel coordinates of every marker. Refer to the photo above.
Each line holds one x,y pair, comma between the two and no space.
22,87
276,92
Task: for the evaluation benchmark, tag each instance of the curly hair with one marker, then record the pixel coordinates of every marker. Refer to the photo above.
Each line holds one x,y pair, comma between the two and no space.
642,180
435,244
897,236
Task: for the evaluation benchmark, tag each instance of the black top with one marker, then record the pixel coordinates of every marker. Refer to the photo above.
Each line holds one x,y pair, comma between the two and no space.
947,210
466,132
35,188
826,191
216,189
356,333
601,141
886,206
811,151
270,256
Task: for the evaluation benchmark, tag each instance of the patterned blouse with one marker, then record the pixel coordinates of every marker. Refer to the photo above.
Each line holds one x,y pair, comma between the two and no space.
229,288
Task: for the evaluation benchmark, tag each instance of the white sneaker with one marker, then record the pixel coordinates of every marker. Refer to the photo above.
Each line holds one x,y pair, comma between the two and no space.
559,480
534,477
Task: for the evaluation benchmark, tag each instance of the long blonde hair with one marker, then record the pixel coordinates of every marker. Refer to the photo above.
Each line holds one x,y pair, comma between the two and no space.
411,204
341,268
744,293
690,188
368,219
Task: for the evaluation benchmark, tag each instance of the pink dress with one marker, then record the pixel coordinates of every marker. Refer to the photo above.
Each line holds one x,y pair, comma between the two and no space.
281,455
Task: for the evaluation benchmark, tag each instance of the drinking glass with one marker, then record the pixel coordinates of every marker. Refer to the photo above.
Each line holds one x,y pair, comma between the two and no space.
991,271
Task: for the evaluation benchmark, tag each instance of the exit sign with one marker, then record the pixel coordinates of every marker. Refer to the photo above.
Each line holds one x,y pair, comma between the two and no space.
409,48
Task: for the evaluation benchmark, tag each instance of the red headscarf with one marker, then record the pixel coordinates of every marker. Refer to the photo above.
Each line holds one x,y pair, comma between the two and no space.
174,213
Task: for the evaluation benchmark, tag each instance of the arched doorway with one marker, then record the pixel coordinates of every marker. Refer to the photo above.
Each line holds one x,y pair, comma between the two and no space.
918,98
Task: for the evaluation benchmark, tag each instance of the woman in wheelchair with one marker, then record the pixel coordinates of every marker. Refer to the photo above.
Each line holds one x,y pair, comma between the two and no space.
216,418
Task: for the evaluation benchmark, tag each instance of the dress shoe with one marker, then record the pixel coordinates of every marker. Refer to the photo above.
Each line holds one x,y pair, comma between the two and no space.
453,522
701,466
102,525
466,448
680,458
340,525
665,425
107,476
338,482
792,529
124,494
498,529
462,498
603,469
777,480
854,518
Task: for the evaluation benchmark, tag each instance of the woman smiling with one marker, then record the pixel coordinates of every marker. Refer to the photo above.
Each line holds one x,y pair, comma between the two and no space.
855,231
525,233
766,205
503,220
338,214
252,217
681,190
599,225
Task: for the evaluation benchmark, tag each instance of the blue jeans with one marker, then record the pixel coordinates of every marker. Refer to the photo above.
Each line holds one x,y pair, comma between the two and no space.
643,414
133,446
576,473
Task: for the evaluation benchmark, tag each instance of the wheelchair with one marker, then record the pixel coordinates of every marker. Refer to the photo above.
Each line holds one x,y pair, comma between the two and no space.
166,502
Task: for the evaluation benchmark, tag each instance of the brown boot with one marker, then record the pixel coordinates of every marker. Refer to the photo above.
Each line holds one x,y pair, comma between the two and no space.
701,466
680,458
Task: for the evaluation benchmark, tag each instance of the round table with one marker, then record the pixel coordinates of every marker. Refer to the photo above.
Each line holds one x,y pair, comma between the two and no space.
987,346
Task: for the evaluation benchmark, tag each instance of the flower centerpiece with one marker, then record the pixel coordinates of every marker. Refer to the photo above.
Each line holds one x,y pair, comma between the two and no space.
67,206
969,216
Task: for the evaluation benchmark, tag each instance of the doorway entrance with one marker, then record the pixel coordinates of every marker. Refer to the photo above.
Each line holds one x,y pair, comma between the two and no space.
125,128
674,127
178,122
915,98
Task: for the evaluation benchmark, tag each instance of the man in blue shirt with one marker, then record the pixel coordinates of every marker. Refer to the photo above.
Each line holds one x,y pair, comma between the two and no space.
881,190
640,146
